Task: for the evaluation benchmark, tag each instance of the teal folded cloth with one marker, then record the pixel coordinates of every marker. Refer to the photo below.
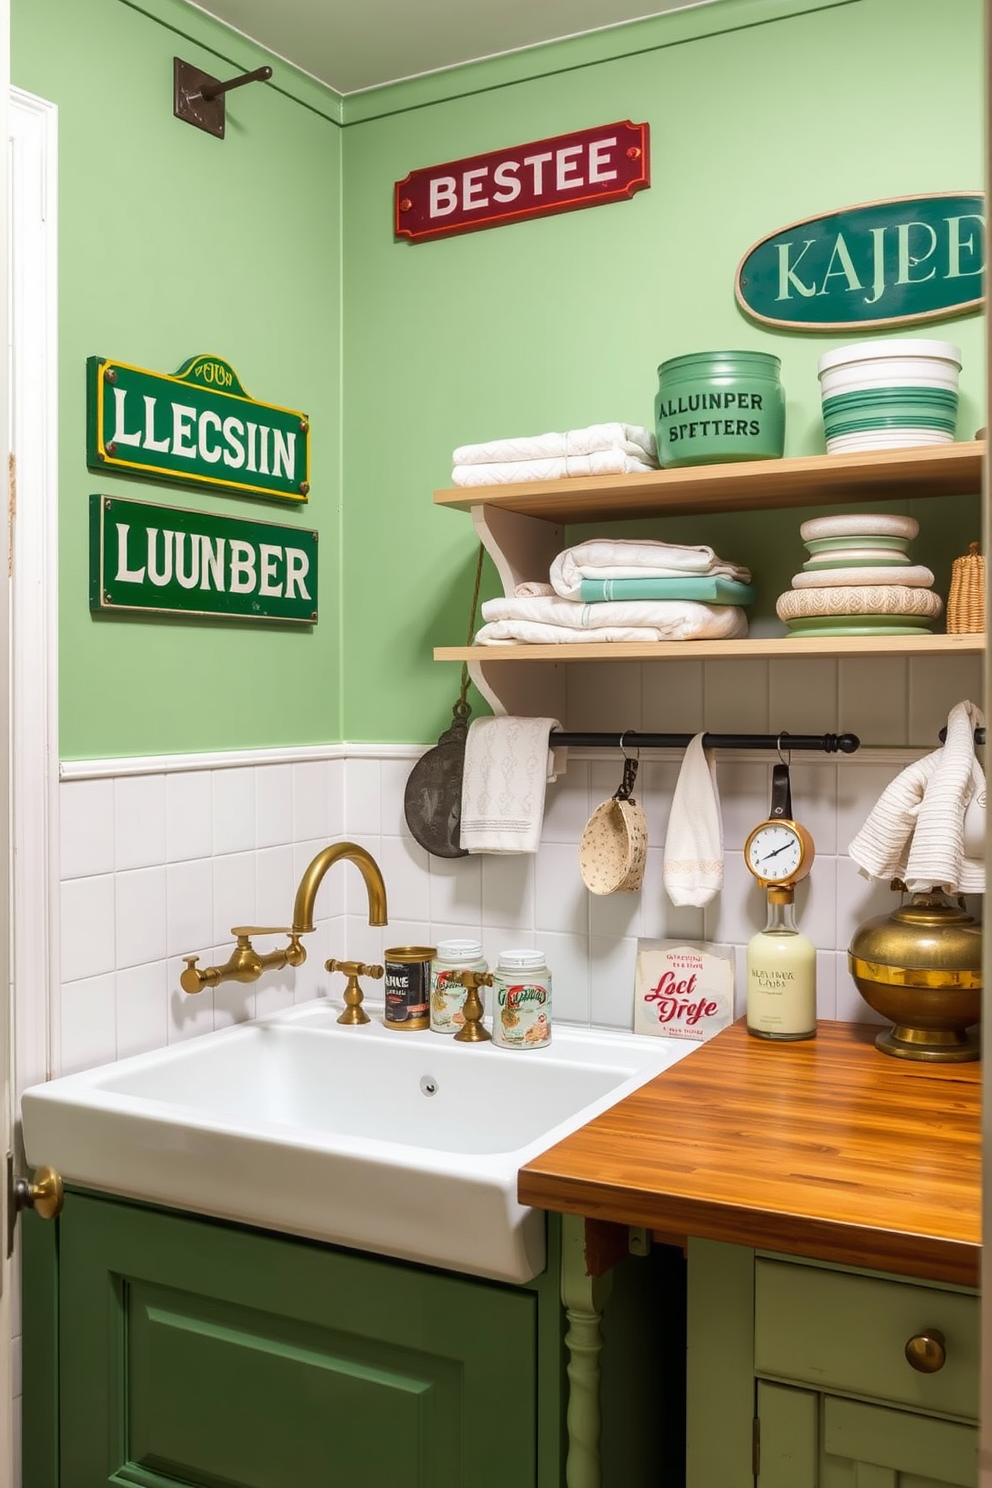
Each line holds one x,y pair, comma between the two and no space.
711,588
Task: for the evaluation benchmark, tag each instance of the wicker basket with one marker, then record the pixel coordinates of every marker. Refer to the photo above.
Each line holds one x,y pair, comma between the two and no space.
966,601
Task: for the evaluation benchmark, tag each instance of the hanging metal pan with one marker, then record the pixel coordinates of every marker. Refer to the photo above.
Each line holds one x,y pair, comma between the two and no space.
432,801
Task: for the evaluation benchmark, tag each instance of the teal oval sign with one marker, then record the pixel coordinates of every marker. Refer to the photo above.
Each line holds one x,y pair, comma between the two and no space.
909,258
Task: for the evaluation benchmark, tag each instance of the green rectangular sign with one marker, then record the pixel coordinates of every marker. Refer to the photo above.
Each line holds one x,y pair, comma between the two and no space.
167,559
198,427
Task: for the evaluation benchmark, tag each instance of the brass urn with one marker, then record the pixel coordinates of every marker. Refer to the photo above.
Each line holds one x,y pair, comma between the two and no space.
921,966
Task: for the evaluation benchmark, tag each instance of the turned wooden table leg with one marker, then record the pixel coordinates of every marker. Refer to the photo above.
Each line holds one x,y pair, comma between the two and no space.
584,1298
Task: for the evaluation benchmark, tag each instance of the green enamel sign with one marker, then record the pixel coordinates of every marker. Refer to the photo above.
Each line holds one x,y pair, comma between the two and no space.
164,558
895,262
198,427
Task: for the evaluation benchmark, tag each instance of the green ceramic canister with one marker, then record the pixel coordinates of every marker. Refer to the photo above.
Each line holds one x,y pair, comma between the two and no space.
714,406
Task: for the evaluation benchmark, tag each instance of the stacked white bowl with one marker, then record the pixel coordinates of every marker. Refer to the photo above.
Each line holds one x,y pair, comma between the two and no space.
889,394
860,580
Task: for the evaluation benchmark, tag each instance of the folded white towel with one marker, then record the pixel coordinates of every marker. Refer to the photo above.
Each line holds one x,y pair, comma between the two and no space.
916,830
670,616
531,588
631,438
508,472
693,862
626,558
507,766
914,577
726,622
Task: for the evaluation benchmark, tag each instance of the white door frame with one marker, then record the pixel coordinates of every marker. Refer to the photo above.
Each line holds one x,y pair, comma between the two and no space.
31,406
33,125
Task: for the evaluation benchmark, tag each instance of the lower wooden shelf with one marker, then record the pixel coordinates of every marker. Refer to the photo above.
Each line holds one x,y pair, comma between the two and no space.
780,647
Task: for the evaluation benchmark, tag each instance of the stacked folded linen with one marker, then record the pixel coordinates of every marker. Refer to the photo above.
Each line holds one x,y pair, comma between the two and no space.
626,558
622,590
860,580
548,621
599,449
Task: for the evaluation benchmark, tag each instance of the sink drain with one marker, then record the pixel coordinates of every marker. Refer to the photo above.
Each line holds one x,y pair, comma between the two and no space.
428,1085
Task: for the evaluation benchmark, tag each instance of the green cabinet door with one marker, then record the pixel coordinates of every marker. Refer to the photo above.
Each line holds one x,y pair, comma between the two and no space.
199,1354
808,1440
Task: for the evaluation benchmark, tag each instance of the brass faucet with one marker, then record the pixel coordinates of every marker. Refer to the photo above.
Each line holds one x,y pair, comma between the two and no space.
245,964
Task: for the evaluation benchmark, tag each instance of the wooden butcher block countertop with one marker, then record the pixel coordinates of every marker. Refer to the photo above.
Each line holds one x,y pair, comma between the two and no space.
825,1148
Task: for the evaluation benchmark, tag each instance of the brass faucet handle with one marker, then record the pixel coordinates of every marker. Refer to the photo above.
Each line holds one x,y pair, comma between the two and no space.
470,979
472,1030
354,1013
247,930
355,968
193,979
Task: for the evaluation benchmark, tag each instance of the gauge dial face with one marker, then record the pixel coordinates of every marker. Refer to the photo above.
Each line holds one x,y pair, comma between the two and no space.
776,853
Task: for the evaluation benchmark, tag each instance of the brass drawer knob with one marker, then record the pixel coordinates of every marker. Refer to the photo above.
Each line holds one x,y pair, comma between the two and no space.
927,1352
44,1195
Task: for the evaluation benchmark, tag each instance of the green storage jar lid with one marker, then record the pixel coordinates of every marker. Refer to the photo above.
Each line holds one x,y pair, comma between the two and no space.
721,363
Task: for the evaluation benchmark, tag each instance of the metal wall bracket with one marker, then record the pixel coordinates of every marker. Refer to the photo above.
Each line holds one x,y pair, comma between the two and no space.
198,98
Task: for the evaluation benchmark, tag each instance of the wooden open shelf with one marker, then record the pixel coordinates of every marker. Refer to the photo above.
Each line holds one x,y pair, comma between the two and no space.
778,647
523,528
754,485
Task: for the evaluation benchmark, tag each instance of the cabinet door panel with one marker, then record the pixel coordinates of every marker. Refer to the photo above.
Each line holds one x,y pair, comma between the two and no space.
788,1431
197,1354
915,1451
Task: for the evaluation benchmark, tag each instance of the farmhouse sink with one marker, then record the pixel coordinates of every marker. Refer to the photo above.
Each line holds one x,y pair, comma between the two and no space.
407,1145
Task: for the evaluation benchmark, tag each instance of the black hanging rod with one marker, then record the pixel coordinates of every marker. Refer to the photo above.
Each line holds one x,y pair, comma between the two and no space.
631,739
942,736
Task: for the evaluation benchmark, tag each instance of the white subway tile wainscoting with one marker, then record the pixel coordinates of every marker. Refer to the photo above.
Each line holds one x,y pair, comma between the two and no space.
159,858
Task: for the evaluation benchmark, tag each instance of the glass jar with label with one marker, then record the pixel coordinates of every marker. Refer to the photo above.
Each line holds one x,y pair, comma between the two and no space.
521,1001
447,992
781,975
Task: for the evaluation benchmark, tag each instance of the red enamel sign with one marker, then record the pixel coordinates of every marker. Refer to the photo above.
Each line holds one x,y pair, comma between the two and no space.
583,169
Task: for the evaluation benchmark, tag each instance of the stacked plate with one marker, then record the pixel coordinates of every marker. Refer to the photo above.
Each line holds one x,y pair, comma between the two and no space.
859,579
889,394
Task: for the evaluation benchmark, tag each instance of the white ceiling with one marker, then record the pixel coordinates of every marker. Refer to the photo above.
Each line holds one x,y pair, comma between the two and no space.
355,44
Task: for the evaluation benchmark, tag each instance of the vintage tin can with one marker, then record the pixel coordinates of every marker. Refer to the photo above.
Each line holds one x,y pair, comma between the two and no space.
716,406
408,986
521,1001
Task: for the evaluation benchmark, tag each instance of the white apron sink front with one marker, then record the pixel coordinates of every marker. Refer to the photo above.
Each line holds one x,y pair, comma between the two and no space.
405,1144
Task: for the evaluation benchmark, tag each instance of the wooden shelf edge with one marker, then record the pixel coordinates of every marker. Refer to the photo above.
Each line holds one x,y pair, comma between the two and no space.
777,647
804,480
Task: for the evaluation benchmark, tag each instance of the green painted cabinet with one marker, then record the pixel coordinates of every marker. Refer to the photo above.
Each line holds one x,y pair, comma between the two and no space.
806,1367
176,1350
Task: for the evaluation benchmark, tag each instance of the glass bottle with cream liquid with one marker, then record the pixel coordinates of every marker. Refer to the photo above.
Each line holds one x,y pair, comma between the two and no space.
781,974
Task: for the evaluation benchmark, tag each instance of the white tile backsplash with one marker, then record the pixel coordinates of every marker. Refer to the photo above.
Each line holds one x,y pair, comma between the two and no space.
188,816
86,829
139,821
137,893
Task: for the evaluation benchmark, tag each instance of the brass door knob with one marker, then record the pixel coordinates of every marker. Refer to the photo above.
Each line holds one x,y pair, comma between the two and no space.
45,1195
927,1352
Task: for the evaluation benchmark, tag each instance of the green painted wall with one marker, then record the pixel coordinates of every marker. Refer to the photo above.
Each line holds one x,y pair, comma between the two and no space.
173,243
560,322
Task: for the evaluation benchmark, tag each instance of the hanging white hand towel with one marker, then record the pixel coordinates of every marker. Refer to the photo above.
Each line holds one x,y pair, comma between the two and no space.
508,763
927,826
693,864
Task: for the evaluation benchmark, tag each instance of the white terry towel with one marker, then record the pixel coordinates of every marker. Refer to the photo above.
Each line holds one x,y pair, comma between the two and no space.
506,472
632,439
507,766
926,827
655,619
626,558
693,863
707,622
